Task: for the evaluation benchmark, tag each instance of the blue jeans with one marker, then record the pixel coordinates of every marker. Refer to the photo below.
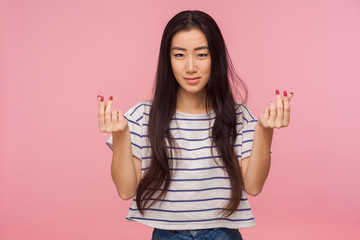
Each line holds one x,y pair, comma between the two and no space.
201,234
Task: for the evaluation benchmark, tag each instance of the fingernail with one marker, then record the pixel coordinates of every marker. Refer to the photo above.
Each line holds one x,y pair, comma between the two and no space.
277,92
98,96
102,98
111,98
285,94
291,93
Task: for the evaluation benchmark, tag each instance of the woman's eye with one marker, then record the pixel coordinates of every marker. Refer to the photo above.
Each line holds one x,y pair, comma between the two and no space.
202,55
179,55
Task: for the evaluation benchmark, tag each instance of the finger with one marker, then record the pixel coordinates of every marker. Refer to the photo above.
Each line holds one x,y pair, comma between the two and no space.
121,114
114,117
291,94
101,113
108,106
122,120
267,114
121,123
264,118
279,111
286,119
272,114
115,125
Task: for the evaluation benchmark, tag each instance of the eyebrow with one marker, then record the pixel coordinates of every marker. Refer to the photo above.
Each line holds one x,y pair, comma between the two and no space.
195,49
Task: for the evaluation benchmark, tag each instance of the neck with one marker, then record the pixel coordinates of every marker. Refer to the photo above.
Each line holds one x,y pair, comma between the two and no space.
193,103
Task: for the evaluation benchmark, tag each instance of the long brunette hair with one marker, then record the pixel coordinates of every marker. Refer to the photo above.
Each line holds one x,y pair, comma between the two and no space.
219,92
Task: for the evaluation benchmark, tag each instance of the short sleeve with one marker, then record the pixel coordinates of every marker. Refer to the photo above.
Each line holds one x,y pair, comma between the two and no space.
135,116
246,129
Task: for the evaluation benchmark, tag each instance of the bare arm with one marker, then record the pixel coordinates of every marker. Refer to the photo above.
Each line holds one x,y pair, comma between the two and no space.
255,168
125,168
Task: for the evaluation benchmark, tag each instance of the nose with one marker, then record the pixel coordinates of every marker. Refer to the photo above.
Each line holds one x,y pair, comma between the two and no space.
191,66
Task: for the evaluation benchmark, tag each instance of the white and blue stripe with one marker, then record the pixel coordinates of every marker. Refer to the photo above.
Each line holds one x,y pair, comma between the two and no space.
199,188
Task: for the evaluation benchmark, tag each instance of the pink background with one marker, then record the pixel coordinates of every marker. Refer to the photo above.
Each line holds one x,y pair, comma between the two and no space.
57,56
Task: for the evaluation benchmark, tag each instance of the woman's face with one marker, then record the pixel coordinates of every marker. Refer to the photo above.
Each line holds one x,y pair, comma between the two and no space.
190,60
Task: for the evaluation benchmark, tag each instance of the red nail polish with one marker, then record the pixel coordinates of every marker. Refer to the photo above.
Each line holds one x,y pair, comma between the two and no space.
98,96
111,98
285,93
277,92
291,93
102,98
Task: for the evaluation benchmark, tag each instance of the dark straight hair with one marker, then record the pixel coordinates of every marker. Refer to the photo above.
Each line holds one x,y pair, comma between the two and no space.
218,91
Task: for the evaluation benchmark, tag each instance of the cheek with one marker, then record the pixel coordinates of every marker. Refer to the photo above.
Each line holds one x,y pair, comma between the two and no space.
176,69
207,67
173,68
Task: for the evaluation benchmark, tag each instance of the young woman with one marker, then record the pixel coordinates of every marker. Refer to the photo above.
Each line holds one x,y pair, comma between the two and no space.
189,155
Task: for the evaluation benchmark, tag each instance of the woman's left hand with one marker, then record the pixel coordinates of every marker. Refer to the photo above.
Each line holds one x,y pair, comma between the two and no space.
279,116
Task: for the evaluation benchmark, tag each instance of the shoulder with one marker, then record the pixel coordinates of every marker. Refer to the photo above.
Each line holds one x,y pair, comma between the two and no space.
137,112
244,114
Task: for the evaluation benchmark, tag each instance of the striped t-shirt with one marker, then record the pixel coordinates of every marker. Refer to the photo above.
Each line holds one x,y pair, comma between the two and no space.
199,188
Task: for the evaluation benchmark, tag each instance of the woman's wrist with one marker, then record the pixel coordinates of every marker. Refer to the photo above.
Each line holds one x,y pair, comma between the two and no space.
120,136
264,130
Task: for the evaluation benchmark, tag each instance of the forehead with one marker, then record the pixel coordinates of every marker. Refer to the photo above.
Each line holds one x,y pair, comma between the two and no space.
189,39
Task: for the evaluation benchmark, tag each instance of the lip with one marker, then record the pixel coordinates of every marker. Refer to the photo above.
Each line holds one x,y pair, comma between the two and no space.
193,80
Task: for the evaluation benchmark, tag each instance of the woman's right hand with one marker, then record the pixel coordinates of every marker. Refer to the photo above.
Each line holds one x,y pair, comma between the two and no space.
110,121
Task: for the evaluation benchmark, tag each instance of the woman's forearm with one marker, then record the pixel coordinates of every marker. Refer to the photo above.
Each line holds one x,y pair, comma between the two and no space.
259,163
122,168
